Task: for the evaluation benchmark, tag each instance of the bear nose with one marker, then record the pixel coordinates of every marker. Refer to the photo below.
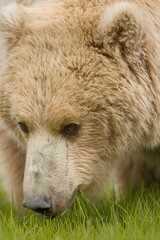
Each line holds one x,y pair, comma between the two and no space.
40,204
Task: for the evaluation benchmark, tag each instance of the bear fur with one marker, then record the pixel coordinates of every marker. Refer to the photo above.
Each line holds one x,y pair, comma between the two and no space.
79,97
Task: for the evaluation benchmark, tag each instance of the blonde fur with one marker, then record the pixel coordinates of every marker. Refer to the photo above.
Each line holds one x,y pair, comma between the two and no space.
94,63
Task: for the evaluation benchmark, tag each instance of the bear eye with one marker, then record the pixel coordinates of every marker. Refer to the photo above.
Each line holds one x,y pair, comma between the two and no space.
23,127
71,129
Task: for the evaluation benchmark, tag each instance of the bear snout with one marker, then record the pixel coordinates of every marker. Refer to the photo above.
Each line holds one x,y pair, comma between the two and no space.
39,204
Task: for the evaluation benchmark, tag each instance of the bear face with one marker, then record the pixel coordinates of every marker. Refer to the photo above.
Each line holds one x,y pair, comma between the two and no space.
69,95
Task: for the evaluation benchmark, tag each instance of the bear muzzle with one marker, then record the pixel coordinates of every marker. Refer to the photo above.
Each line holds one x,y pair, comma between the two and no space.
39,204
45,206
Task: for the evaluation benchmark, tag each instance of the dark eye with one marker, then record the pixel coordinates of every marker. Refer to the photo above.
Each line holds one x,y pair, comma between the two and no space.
23,127
71,129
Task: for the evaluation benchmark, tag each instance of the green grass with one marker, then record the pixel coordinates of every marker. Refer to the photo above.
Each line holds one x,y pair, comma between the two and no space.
135,218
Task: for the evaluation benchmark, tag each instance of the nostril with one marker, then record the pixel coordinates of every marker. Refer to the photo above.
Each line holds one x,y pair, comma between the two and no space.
40,204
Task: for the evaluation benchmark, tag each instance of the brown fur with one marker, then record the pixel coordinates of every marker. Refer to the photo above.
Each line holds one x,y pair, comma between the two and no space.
13,161
70,61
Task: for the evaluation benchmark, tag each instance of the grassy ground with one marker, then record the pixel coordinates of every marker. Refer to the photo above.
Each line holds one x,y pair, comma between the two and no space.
137,219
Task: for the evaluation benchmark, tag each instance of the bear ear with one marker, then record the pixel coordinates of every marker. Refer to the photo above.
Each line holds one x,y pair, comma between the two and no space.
122,28
11,22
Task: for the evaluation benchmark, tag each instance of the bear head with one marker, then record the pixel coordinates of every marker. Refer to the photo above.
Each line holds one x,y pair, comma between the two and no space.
71,97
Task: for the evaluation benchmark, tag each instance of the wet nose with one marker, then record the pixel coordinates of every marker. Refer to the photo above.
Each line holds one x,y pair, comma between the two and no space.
40,204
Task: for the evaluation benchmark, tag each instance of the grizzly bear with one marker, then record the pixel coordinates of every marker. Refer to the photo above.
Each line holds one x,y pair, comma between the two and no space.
79,98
